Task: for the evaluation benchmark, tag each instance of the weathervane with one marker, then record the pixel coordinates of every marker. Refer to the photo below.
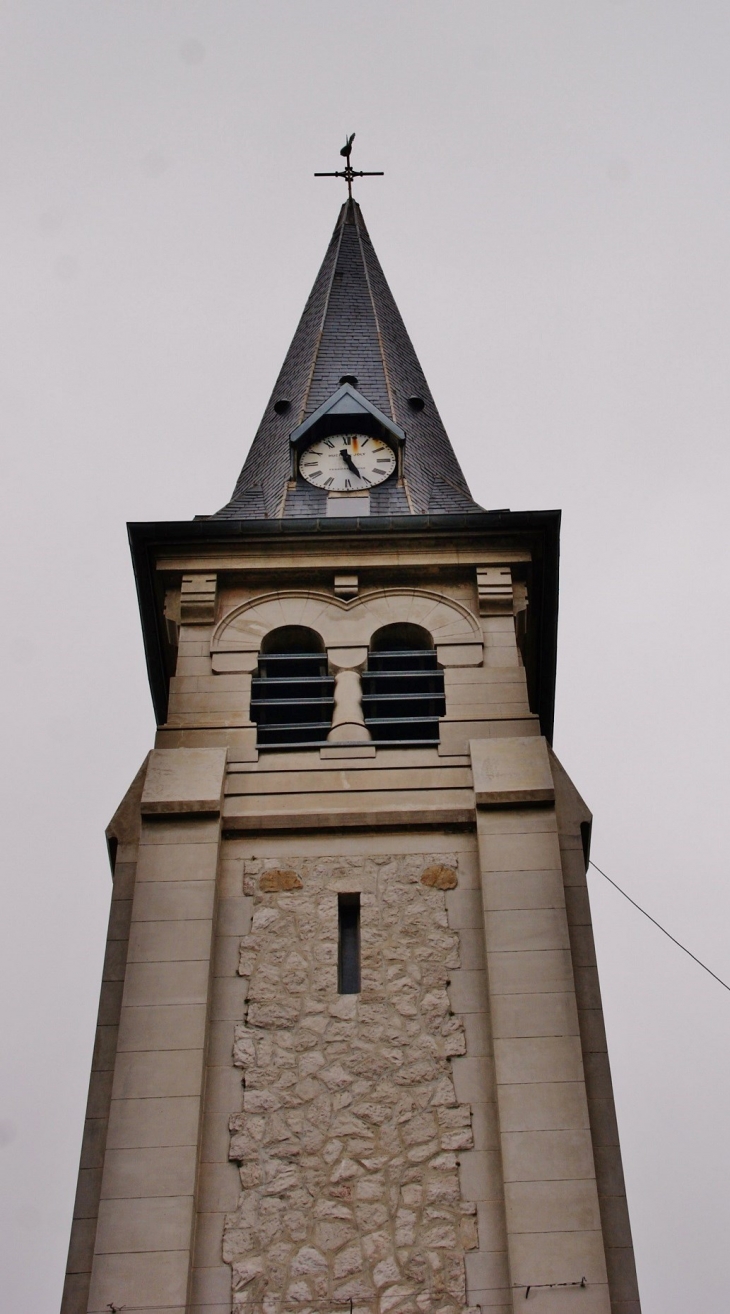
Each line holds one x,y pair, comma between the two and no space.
348,173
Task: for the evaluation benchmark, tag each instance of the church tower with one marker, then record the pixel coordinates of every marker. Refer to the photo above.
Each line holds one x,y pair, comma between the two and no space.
350,1051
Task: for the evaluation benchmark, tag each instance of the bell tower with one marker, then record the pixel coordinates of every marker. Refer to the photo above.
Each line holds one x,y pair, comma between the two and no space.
350,1051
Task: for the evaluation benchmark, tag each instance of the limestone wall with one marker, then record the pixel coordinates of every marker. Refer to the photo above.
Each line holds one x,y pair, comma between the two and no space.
350,1129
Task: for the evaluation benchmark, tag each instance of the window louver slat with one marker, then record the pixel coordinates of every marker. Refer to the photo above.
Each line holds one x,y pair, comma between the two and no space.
403,696
292,697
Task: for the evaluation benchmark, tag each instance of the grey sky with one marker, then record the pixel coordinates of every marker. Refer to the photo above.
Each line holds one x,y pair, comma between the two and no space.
553,223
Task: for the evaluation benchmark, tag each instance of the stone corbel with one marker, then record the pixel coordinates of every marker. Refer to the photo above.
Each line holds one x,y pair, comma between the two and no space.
346,586
171,616
520,604
197,599
494,587
349,732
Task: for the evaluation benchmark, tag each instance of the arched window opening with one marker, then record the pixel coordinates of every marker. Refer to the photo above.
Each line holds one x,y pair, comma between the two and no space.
292,694
403,687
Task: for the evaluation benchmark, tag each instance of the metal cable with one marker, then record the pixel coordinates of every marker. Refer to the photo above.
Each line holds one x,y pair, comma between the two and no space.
649,917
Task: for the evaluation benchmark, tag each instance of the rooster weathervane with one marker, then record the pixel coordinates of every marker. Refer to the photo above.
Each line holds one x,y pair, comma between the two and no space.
348,173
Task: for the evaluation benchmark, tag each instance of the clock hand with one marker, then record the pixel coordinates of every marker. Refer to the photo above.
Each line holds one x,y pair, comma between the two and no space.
349,462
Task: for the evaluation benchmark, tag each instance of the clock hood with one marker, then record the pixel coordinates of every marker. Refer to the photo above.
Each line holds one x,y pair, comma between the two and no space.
347,410
350,356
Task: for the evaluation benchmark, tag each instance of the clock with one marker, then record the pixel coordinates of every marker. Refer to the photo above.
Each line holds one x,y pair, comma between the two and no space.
347,462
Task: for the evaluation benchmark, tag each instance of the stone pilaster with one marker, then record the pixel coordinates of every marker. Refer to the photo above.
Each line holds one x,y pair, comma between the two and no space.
123,835
551,1201
144,1238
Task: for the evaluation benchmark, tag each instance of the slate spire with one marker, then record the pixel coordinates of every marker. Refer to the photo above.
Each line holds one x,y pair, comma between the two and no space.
351,329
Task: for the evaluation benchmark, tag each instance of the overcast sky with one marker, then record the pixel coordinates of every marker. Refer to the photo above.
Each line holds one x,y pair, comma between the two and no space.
553,224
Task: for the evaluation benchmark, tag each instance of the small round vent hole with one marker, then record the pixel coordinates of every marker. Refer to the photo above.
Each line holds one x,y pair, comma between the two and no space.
349,378
282,406
416,403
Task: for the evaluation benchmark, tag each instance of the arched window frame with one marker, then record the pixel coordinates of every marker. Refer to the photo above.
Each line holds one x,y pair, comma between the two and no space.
403,687
292,691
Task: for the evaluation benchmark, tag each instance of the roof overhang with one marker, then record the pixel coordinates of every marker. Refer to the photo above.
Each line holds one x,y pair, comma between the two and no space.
538,531
347,408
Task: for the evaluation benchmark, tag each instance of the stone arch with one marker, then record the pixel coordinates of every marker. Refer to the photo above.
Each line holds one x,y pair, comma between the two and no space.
350,624
404,635
244,628
292,638
445,619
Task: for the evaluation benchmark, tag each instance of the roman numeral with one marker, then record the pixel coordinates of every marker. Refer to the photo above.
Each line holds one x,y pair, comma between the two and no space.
328,442
327,482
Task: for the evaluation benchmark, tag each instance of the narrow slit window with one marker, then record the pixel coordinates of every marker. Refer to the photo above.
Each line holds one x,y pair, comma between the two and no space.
348,958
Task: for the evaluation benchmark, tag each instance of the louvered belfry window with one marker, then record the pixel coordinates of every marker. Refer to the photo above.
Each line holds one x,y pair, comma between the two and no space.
403,687
292,693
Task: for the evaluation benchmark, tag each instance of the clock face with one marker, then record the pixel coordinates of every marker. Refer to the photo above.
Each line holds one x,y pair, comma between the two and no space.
347,462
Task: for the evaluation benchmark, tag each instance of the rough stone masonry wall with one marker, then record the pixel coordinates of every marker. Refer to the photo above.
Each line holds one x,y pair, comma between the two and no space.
350,1129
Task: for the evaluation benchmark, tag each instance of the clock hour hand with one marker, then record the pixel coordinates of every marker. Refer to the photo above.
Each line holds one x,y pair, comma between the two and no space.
349,462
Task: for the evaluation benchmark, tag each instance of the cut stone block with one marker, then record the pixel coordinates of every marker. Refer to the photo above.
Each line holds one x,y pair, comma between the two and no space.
511,770
184,780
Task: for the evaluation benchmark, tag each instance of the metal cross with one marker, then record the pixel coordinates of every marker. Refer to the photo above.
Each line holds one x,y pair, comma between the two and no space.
348,173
